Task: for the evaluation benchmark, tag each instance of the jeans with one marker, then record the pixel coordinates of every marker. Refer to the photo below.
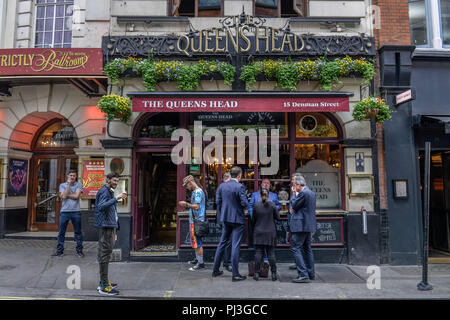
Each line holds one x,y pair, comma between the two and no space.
303,255
105,248
64,218
260,251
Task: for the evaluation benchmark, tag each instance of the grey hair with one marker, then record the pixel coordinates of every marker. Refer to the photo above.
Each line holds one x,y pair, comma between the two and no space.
300,180
296,174
226,175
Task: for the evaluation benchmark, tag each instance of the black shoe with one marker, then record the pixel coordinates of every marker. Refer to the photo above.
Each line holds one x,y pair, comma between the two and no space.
229,268
194,262
80,254
256,276
312,278
293,267
58,254
301,280
274,276
238,278
198,266
217,273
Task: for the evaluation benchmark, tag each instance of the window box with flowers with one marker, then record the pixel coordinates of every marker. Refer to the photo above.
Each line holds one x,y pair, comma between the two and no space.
372,108
186,76
295,75
115,106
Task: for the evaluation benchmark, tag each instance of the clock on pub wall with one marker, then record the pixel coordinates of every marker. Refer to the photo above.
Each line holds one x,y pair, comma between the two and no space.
308,123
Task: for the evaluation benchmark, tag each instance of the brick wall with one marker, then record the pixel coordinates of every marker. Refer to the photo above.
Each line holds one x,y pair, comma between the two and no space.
394,23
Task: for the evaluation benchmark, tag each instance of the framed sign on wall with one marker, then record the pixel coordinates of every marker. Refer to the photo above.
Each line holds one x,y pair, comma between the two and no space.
361,185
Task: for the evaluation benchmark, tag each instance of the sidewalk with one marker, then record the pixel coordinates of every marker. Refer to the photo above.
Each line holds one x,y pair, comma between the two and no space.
27,270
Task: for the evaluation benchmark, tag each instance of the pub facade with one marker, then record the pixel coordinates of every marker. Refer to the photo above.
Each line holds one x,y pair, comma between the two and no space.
227,67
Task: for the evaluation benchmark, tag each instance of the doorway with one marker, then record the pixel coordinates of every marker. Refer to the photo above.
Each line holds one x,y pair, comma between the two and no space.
439,238
53,157
156,203
49,171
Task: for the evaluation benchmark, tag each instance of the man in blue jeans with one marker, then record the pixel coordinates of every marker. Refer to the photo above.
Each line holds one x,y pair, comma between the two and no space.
70,192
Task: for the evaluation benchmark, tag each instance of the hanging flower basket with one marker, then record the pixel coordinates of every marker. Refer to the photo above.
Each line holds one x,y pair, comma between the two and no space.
115,106
372,108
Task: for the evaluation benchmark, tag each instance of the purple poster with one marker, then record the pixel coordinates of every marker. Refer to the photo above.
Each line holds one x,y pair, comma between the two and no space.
17,178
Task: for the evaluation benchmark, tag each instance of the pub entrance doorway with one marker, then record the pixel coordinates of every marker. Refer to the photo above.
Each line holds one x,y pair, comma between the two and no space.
439,238
156,203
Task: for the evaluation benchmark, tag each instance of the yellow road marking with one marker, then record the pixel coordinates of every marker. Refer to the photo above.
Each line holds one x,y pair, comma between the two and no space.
168,294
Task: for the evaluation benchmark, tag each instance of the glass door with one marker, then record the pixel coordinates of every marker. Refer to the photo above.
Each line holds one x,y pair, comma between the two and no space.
49,173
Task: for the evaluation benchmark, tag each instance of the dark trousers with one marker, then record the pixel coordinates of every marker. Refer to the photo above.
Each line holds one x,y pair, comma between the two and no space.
303,255
260,252
64,218
105,249
235,233
227,255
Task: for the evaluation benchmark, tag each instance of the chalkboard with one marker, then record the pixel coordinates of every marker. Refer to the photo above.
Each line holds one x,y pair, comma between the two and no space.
330,232
213,238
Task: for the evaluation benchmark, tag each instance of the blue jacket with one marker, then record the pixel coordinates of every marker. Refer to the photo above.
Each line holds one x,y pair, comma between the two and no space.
256,197
304,217
231,199
105,208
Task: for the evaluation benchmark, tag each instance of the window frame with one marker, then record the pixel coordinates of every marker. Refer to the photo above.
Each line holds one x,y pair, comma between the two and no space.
173,10
429,25
36,18
441,32
304,2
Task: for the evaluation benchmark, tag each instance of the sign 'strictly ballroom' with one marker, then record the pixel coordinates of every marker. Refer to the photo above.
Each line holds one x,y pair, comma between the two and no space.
240,104
61,61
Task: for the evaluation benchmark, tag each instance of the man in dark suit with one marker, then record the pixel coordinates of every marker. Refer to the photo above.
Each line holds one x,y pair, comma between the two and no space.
302,224
227,255
231,202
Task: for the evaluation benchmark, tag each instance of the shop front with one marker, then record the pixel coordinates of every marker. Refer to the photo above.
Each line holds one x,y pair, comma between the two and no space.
315,135
49,123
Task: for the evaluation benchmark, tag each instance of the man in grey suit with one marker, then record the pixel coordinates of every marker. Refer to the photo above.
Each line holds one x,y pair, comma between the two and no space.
302,223
231,201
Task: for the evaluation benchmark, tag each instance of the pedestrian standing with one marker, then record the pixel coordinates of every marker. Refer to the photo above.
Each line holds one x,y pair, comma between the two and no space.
196,212
256,197
290,211
227,253
265,233
231,202
107,220
302,225
70,192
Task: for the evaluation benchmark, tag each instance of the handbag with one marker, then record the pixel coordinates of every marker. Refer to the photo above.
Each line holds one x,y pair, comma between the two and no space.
263,272
201,228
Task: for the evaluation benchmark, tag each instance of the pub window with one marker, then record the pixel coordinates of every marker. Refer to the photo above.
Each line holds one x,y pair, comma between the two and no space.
60,134
159,126
313,150
53,23
445,21
196,8
280,8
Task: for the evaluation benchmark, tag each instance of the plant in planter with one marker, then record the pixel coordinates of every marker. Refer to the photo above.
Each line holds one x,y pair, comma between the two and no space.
288,74
372,108
115,106
117,67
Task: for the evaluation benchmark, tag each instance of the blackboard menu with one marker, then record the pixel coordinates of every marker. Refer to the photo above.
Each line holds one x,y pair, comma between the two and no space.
330,232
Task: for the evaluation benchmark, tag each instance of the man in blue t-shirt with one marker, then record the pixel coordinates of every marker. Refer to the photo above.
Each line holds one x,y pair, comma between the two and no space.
70,192
196,211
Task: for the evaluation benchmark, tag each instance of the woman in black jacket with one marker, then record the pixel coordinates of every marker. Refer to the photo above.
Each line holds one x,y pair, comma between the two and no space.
264,233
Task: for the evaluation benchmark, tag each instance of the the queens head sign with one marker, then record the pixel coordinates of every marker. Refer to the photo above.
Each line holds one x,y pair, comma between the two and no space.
244,35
